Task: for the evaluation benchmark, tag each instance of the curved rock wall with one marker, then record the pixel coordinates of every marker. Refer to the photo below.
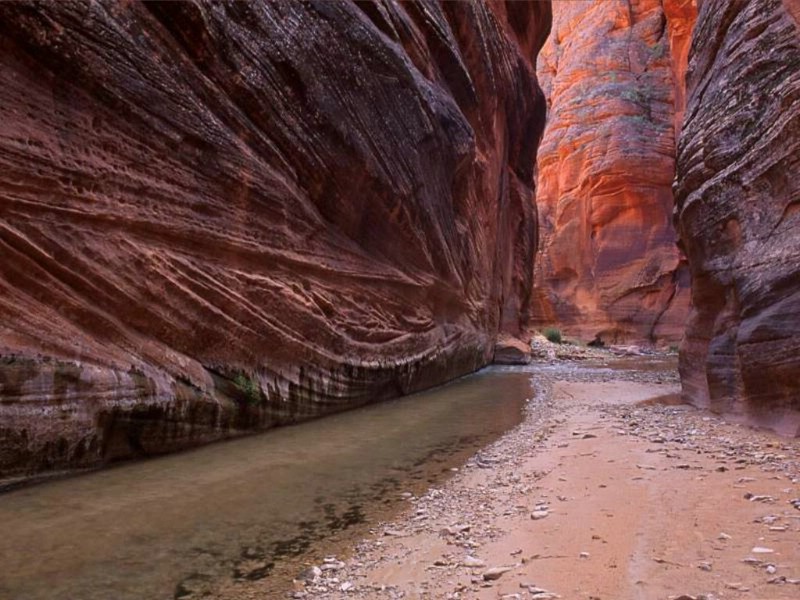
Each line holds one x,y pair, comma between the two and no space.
738,211
608,266
217,217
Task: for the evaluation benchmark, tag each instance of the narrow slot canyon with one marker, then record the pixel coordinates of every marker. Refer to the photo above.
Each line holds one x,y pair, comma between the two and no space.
383,299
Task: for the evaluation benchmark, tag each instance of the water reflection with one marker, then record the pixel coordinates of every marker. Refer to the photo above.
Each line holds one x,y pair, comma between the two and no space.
171,527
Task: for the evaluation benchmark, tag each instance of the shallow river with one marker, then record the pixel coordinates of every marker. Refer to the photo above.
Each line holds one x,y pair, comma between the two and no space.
254,508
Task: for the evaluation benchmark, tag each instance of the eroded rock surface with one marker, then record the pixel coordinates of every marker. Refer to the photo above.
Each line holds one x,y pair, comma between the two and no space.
609,267
511,351
216,217
738,211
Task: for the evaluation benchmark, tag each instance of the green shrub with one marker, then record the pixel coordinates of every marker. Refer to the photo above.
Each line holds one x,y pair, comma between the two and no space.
659,50
248,388
553,335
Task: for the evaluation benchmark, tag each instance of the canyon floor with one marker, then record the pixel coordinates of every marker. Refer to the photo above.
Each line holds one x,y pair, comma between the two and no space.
610,489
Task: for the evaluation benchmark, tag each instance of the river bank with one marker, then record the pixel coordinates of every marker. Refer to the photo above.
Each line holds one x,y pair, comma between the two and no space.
609,489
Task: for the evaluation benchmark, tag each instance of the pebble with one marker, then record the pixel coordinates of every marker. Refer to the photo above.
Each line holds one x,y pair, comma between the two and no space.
759,497
737,586
784,579
455,529
310,575
495,573
394,533
471,561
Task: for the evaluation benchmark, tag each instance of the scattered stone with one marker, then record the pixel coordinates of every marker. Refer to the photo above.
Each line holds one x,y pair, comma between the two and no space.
508,493
762,550
332,566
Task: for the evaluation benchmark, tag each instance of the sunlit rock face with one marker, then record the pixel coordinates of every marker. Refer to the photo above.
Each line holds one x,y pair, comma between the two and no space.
609,268
738,211
218,217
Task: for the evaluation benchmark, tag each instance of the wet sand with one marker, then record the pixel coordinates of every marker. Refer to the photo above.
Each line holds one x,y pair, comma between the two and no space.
610,489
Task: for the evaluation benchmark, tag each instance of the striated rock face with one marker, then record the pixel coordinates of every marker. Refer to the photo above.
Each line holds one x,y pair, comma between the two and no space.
609,267
738,211
218,217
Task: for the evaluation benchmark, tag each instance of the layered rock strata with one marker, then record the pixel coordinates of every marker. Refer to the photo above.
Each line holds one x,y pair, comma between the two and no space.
738,211
218,217
609,268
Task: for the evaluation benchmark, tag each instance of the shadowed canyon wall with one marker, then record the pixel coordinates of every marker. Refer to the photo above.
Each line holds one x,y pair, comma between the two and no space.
218,217
609,267
738,211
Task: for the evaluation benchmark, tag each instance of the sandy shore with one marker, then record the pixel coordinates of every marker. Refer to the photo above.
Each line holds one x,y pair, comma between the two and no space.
608,490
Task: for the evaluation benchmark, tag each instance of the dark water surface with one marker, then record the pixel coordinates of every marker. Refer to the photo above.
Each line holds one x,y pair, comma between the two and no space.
176,526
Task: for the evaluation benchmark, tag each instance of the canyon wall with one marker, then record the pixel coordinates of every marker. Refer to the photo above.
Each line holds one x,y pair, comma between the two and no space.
738,211
219,217
608,267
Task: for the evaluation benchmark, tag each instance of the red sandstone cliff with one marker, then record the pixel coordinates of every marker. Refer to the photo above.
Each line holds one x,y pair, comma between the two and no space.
738,211
217,217
609,267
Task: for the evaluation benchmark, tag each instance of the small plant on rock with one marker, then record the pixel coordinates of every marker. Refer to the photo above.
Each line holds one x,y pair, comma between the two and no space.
553,335
248,387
